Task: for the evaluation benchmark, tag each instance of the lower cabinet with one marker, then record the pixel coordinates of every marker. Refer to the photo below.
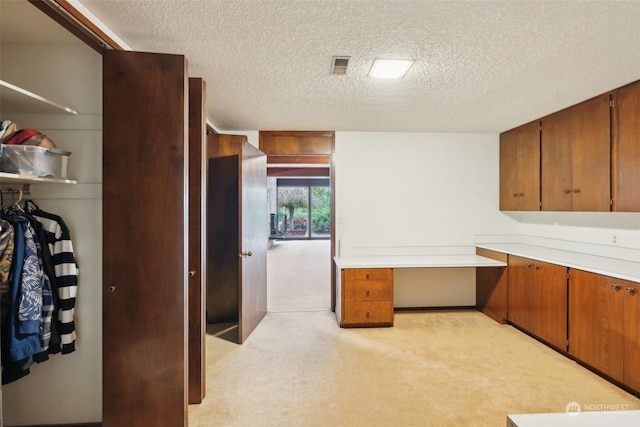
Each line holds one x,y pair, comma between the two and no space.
537,299
604,323
367,297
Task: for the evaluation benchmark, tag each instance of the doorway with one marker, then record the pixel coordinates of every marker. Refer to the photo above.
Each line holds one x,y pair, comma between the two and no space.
300,208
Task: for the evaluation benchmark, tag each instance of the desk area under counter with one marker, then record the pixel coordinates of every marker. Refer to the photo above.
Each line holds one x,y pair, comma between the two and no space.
371,282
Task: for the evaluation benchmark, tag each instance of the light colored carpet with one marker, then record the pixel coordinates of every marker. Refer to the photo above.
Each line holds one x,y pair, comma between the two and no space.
299,276
439,368
456,368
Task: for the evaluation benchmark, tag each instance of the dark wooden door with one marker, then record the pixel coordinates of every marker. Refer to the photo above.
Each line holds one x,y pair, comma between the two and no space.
254,238
626,149
596,322
223,230
197,247
144,239
237,220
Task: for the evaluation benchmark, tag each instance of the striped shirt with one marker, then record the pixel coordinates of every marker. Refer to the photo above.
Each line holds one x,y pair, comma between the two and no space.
66,270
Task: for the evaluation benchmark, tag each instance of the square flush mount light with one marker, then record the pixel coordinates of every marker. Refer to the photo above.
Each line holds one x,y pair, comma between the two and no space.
390,68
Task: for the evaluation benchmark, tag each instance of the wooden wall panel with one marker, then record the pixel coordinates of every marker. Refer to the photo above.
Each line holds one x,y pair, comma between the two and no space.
297,142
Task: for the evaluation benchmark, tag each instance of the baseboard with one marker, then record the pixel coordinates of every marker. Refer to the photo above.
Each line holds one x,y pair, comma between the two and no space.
447,308
61,425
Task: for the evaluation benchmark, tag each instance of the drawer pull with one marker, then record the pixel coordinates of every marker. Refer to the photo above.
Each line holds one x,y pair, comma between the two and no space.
537,267
368,314
630,291
368,292
367,275
529,265
615,287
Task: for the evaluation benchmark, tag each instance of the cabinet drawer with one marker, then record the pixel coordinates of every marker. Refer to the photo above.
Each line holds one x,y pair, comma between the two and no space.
368,274
368,290
365,312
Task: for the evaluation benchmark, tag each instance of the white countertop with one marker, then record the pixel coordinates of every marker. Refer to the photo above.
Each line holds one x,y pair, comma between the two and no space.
581,419
618,268
416,261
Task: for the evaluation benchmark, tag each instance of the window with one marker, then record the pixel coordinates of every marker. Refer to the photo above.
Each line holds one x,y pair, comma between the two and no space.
302,209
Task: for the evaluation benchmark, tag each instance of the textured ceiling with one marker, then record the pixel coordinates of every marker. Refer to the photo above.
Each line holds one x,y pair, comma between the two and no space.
481,66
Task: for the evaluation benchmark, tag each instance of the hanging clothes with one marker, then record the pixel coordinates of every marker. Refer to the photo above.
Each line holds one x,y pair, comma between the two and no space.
38,287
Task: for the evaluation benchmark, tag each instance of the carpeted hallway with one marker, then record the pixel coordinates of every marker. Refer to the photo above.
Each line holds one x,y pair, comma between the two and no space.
437,368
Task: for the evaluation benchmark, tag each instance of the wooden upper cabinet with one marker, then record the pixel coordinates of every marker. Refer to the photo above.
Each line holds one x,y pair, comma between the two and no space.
626,149
576,157
520,168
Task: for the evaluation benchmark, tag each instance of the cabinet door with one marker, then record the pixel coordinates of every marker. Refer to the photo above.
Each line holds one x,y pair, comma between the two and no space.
538,299
144,239
591,155
555,146
550,303
520,292
596,322
626,149
520,168
576,152
632,335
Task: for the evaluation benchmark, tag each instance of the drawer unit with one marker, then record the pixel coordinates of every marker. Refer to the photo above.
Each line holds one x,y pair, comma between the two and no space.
367,297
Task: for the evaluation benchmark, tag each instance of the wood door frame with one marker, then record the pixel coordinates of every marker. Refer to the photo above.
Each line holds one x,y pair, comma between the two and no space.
306,147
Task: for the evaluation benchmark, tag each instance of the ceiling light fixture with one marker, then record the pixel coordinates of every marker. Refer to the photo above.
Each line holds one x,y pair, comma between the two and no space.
390,68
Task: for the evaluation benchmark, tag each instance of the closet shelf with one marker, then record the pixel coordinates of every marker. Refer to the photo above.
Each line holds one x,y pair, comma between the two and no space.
16,100
13,178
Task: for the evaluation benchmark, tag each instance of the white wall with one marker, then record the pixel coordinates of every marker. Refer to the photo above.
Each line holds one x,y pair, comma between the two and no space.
618,229
417,189
66,388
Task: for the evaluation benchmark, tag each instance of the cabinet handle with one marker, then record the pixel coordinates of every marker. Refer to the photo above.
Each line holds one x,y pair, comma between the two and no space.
529,265
515,194
367,275
566,191
368,313
575,190
520,194
630,291
537,267
367,292
615,287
